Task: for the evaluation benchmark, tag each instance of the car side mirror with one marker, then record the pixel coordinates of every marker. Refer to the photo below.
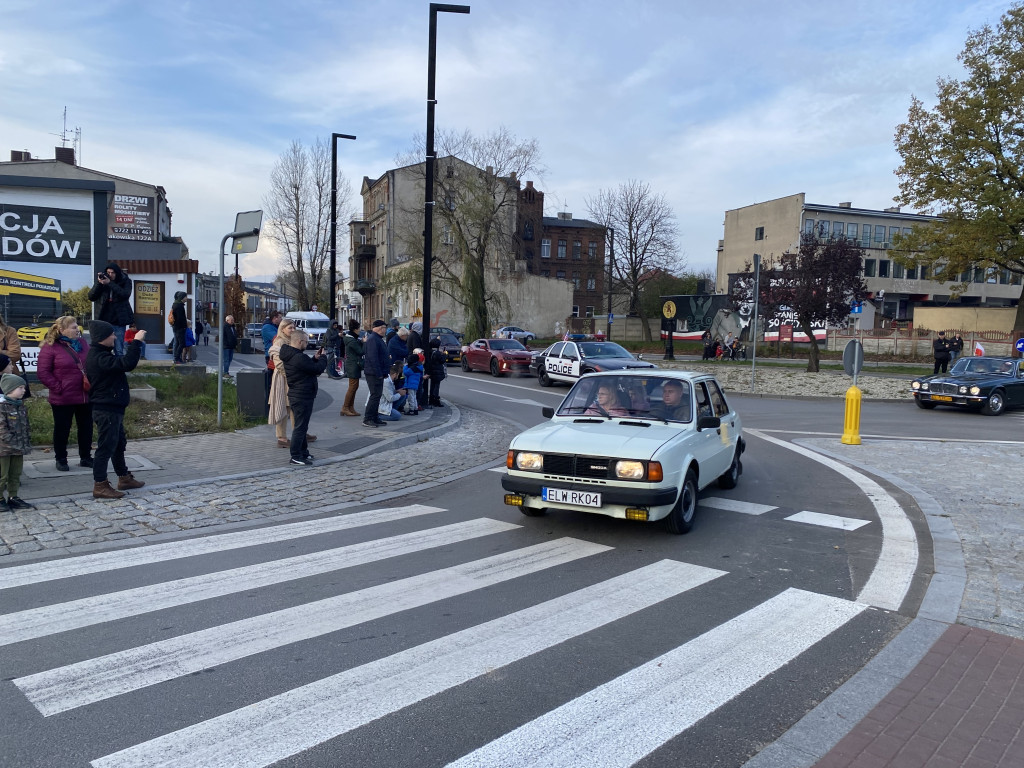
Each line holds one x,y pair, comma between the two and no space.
547,411
640,356
708,422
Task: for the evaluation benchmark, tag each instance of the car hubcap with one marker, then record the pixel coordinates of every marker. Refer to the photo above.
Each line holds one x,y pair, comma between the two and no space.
996,403
689,503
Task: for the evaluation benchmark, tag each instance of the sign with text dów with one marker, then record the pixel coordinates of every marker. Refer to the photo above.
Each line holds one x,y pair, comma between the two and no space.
45,235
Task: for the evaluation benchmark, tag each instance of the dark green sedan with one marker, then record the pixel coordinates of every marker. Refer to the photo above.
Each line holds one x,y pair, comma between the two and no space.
990,384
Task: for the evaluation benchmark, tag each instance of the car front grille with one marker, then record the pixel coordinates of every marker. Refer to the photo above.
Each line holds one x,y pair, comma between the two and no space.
943,389
576,466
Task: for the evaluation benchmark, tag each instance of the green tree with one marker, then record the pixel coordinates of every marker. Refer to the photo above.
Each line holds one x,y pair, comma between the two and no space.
964,161
666,284
77,303
818,284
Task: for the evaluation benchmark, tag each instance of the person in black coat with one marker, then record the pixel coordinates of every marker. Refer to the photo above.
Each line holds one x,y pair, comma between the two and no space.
940,349
113,292
301,372
375,367
230,342
398,349
179,323
109,396
415,340
437,370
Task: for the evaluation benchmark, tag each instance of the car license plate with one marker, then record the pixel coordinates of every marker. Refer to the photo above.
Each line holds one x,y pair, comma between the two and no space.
942,398
579,498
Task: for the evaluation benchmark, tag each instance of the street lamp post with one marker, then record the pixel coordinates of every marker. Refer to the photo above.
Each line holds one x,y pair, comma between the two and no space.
611,261
334,219
428,205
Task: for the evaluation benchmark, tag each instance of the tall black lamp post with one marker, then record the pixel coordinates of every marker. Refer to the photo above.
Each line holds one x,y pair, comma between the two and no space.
428,205
334,219
611,261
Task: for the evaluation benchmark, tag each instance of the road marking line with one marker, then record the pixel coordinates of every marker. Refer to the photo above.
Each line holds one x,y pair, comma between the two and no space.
829,521
893,438
58,690
559,395
284,725
618,723
890,579
61,617
127,558
735,505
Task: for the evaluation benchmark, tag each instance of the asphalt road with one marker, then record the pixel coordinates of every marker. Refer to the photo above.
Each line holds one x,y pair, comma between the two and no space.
464,632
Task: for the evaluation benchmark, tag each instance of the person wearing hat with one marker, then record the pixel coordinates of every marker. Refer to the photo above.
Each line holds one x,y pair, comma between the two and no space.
113,292
940,349
179,324
376,367
109,396
14,441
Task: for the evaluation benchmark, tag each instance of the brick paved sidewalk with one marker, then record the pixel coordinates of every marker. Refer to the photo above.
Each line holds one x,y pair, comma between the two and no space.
963,705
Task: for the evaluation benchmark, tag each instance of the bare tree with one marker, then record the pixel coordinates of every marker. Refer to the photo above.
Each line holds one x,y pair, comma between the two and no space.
298,210
475,240
645,237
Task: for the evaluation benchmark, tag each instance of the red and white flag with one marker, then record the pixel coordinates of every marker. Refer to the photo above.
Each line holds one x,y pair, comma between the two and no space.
978,349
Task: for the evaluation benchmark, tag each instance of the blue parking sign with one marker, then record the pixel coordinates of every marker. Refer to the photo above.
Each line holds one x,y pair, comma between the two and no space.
857,308
1019,345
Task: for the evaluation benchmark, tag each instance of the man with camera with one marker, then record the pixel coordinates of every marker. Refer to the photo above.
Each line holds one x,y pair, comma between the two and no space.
113,292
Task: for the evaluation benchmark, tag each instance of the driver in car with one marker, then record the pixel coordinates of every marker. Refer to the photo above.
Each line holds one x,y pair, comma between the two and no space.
606,403
673,407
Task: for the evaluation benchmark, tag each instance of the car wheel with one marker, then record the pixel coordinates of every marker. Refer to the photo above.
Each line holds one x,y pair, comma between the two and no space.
494,368
926,404
465,364
680,519
533,512
995,404
543,379
732,475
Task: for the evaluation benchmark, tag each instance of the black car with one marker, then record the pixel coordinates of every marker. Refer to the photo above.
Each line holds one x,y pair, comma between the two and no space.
450,345
568,360
991,384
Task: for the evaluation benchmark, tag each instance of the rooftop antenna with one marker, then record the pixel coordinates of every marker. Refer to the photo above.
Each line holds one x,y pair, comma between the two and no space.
75,138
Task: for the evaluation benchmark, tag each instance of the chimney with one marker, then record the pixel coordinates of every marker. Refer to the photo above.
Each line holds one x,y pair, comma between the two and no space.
20,156
565,216
490,170
529,185
845,205
894,209
65,154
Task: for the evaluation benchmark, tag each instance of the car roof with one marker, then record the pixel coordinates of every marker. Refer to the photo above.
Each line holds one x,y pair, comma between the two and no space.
664,373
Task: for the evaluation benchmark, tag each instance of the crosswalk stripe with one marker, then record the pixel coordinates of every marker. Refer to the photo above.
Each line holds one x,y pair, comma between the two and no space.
735,505
828,521
126,558
76,685
618,723
61,617
283,725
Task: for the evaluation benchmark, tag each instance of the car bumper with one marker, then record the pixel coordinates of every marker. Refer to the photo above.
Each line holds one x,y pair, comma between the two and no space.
964,401
507,367
615,499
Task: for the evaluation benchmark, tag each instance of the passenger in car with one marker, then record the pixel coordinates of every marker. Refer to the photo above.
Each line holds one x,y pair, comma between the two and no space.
673,406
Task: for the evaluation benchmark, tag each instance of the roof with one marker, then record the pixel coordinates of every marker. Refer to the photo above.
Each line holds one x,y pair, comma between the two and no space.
14,164
553,221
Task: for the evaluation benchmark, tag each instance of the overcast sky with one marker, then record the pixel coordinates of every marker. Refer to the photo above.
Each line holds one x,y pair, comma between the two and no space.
717,105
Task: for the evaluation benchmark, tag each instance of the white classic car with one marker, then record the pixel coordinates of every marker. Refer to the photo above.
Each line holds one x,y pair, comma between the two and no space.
637,445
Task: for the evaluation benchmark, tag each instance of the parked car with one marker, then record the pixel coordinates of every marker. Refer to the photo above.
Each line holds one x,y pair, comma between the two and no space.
442,329
254,330
499,356
988,384
450,346
313,323
568,360
37,331
514,332
634,445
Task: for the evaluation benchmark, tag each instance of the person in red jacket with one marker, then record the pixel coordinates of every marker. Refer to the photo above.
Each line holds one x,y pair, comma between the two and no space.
61,369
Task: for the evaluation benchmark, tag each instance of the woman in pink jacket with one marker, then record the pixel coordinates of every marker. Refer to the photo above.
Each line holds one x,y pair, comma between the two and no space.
61,368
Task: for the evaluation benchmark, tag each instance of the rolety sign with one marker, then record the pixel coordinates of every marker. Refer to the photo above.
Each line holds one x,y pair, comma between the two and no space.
133,218
45,235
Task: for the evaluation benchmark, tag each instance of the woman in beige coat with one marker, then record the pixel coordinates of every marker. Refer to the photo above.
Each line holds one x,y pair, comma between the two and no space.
280,411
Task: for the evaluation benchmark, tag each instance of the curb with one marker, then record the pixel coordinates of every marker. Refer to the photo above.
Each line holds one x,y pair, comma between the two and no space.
817,732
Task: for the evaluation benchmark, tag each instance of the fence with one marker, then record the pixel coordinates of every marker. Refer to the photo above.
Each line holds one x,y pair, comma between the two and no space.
900,342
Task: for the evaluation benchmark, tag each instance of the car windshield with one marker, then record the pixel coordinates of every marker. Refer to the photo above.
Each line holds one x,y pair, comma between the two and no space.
603,349
448,340
507,344
660,398
982,365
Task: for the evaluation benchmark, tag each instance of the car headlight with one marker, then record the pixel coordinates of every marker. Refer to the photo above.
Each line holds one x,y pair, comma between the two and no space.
530,462
924,385
963,390
975,390
629,470
916,385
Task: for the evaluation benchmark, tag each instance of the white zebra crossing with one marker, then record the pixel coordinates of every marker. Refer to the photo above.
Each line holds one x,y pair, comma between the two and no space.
51,619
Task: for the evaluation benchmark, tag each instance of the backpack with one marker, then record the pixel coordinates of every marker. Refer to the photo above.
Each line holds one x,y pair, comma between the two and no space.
170,317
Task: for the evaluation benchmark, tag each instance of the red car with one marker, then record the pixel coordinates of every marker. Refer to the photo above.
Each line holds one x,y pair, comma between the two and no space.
499,356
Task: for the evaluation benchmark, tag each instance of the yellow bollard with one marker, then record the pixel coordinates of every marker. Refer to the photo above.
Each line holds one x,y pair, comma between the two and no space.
851,425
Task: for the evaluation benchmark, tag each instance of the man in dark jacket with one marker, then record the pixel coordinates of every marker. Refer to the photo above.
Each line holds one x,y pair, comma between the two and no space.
375,367
398,349
415,340
332,343
940,349
113,292
179,323
230,342
301,372
109,396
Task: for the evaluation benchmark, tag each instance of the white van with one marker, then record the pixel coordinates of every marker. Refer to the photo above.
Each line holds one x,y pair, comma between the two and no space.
313,323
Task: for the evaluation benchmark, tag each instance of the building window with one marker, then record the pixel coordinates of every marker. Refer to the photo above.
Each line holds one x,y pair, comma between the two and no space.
591,282
449,201
577,250
893,232
1015,280
362,235
545,273
979,275
851,232
1004,277
924,271
897,270
823,230
907,230
592,250
545,248
576,280
561,249
883,267
528,231
838,228
809,226
446,235
759,233
560,274
879,233
865,236
590,311
575,310
869,267
911,273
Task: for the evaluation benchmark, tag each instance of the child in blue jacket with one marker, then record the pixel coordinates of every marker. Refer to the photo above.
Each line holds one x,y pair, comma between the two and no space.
413,375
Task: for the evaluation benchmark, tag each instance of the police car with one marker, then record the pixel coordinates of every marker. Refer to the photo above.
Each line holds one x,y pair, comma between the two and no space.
568,360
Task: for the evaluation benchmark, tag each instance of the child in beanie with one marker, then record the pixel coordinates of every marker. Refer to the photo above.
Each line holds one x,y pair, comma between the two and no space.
14,441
